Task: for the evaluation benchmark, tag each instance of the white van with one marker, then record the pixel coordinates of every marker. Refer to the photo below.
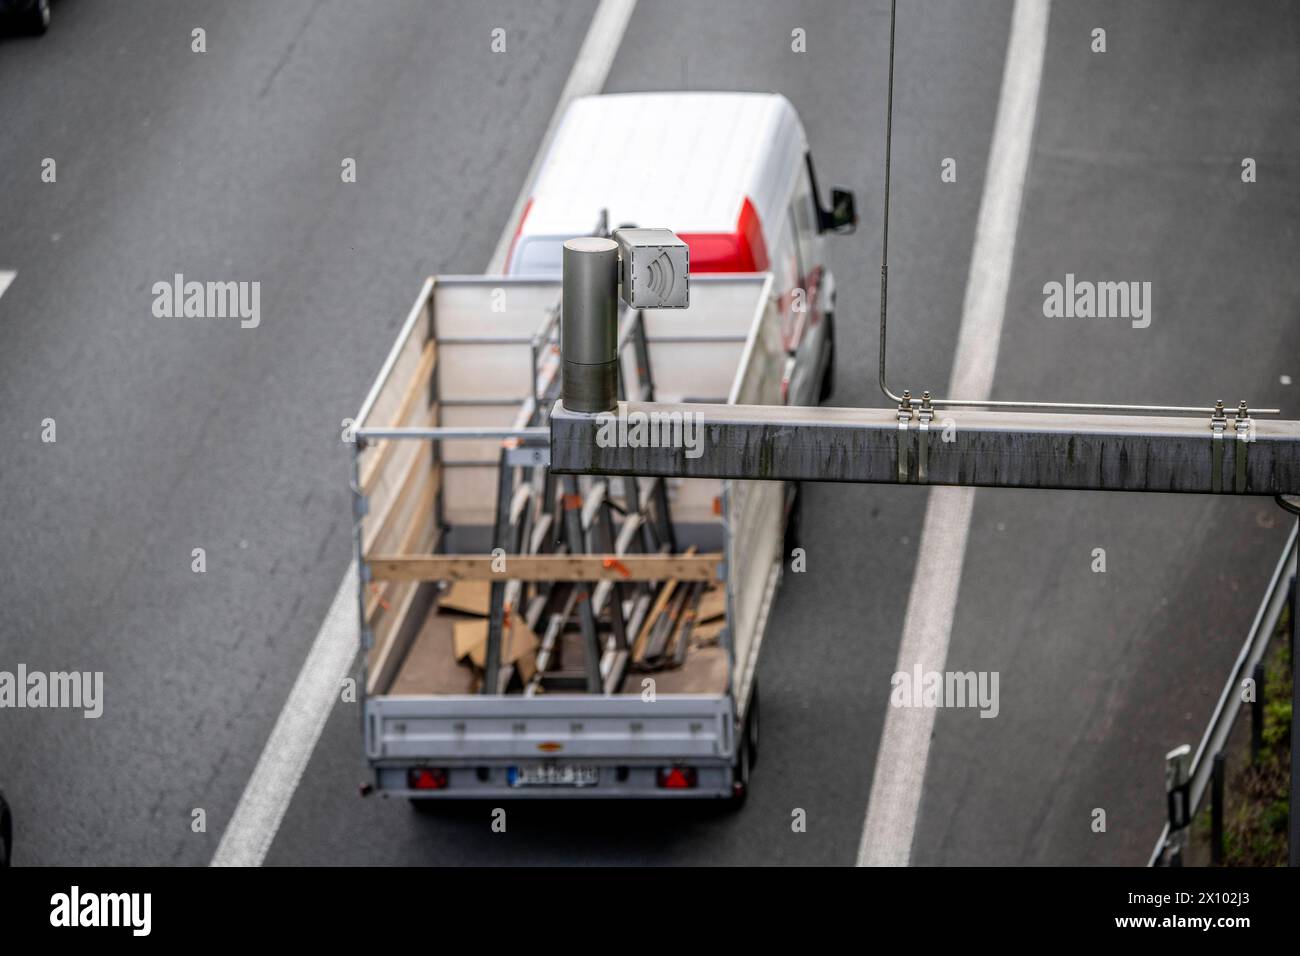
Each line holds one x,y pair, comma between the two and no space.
730,173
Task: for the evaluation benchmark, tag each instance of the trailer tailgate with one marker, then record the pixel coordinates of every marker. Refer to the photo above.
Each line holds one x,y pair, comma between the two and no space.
477,728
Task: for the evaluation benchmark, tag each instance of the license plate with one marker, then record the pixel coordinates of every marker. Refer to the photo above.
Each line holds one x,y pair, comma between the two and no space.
552,775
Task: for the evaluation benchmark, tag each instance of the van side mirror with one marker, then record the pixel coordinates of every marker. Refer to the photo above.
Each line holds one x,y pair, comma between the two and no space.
842,217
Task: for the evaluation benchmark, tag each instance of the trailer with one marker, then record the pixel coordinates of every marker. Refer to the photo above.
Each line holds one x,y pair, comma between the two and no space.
533,635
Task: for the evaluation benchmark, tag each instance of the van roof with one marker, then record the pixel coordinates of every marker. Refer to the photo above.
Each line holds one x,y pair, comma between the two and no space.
684,161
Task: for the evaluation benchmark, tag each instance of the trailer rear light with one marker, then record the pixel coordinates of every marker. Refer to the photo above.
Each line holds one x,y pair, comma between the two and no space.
741,251
676,778
426,778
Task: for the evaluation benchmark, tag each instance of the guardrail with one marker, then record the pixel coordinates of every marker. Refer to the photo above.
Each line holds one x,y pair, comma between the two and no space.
1207,764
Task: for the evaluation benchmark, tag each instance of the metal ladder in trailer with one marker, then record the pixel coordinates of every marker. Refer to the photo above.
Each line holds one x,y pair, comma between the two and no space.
538,513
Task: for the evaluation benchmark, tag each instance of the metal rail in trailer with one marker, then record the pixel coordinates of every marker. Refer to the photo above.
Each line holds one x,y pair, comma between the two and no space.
538,636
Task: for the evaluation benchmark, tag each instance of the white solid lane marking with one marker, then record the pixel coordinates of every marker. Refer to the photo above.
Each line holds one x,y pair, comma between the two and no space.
905,741
6,277
286,754
284,759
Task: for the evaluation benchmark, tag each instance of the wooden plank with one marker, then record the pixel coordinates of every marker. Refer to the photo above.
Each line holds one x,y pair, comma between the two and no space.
665,595
401,362
643,636
675,648
418,537
387,653
384,528
547,567
668,623
383,449
389,603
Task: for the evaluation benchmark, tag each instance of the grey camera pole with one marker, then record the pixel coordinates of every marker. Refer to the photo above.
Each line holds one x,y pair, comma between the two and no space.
589,325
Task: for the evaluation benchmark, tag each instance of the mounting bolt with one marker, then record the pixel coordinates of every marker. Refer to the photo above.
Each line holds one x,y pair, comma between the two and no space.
1219,419
1242,411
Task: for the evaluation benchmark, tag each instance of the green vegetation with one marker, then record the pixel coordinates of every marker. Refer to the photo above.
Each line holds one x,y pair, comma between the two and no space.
1256,813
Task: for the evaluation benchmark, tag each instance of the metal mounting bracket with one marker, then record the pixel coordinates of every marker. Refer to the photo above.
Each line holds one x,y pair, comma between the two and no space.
924,415
904,418
1219,426
1245,429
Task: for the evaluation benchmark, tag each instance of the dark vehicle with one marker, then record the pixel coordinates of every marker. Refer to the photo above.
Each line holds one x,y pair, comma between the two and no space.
6,833
27,16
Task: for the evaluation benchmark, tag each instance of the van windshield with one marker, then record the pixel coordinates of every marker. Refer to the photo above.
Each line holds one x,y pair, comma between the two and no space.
539,256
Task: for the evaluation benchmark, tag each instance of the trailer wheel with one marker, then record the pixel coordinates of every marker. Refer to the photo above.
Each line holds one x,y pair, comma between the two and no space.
740,774
747,751
751,732
36,20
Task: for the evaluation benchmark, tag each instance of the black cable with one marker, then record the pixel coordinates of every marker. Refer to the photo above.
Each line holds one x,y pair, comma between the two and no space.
884,246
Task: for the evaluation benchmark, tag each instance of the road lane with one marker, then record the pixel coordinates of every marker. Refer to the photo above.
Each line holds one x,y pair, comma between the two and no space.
1136,176
824,683
899,774
283,760
177,434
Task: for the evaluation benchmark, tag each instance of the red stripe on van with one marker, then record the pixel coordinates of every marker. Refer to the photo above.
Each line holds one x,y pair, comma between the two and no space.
741,251
514,240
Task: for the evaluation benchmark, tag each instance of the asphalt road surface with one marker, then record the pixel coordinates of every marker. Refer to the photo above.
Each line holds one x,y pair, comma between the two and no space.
179,434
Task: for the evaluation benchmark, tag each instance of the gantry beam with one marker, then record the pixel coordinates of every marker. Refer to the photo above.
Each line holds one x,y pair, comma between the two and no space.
955,447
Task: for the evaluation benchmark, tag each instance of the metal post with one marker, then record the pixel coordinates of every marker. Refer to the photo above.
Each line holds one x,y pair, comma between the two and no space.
663,519
574,540
589,325
603,531
1257,715
1292,504
1178,763
1294,850
1291,602
496,607
1216,812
